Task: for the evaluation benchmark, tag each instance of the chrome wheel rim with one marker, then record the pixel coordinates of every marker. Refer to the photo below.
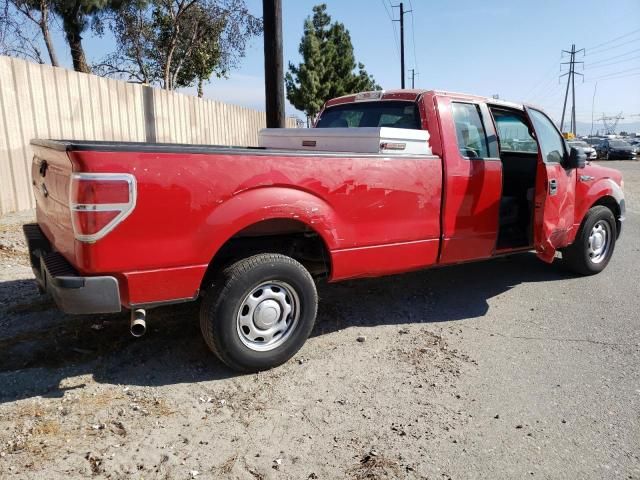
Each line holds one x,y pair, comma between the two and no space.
268,315
599,241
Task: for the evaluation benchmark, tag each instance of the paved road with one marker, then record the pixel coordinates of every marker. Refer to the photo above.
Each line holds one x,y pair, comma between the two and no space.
558,361
503,369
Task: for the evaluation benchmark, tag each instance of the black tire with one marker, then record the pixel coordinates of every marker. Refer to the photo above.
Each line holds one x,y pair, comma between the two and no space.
577,256
221,309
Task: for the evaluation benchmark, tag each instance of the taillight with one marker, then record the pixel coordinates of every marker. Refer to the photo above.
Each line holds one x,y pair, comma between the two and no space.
99,202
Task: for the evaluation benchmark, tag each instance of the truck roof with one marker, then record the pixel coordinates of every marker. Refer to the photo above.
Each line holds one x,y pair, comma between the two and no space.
413,94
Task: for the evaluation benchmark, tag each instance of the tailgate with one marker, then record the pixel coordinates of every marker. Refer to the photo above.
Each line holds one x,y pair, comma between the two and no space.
50,174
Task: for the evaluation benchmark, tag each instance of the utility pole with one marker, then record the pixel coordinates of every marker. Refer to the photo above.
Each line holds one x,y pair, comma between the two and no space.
401,20
402,44
413,77
570,81
273,64
593,104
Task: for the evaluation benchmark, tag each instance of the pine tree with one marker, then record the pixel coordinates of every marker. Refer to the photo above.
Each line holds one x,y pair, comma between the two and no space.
328,68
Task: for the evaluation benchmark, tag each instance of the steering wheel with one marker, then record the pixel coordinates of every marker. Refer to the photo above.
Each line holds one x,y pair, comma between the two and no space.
469,152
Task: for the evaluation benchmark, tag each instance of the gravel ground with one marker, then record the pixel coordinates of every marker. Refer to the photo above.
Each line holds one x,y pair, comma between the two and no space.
503,369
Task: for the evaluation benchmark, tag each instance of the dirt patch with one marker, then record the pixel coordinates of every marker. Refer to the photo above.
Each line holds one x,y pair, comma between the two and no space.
81,398
374,466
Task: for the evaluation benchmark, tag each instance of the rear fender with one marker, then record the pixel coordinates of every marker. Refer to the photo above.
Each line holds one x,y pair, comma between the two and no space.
268,203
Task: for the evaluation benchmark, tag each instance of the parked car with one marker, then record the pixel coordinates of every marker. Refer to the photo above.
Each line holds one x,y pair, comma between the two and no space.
612,149
593,141
588,149
139,225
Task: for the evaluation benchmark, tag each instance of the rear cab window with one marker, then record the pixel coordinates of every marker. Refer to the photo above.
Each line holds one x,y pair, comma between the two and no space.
383,113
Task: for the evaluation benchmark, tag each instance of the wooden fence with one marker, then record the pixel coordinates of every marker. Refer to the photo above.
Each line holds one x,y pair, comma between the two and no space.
39,101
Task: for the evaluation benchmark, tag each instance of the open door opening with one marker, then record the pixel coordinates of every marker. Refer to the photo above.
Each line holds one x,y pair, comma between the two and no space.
519,157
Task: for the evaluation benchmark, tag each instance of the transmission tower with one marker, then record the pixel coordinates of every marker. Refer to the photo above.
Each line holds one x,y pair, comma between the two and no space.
571,81
610,123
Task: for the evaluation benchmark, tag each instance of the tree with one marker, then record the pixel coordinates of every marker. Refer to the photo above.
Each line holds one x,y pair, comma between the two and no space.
328,67
76,16
179,43
24,26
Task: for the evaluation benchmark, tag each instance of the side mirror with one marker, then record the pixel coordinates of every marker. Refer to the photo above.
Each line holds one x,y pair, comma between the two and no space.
577,158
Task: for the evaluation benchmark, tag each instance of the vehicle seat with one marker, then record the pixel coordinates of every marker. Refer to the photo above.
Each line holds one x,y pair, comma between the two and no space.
339,123
509,211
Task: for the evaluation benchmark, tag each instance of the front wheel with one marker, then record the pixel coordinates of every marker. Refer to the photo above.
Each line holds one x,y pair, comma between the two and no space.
594,244
259,312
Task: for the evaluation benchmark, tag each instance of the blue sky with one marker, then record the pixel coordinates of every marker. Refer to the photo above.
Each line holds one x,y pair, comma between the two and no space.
511,48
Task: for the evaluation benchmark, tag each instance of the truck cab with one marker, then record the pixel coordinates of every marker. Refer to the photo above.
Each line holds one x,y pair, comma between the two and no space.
510,181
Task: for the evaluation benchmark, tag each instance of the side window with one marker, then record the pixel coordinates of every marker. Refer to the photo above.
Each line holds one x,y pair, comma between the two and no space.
513,132
550,140
472,138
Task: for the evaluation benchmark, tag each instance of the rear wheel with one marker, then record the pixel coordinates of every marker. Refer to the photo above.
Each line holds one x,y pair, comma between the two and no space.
594,244
259,312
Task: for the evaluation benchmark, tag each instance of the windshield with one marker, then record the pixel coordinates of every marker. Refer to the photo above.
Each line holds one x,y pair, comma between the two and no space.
371,114
618,144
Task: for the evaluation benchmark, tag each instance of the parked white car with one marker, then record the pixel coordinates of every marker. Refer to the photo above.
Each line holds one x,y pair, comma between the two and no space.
588,149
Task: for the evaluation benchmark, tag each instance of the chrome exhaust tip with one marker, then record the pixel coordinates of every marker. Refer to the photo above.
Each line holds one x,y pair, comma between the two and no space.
138,326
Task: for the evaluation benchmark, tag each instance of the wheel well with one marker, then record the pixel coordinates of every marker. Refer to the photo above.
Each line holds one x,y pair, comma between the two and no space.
285,236
611,204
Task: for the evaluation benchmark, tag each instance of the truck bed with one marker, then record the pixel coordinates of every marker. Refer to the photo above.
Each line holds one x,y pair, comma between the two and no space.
375,213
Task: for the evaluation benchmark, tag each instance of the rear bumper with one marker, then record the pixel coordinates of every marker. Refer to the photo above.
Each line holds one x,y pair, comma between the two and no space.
72,293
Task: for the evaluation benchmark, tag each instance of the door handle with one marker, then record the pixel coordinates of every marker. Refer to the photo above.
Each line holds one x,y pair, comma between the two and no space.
553,186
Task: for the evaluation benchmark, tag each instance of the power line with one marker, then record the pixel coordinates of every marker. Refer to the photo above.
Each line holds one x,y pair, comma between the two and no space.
600,52
589,66
551,100
612,40
413,39
551,89
615,56
386,9
618,72
395,40
604,79
540,80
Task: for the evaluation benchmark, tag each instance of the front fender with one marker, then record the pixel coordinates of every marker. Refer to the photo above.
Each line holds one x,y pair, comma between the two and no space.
267,203
602,188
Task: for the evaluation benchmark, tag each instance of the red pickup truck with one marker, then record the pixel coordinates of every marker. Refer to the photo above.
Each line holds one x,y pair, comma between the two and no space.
139,225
